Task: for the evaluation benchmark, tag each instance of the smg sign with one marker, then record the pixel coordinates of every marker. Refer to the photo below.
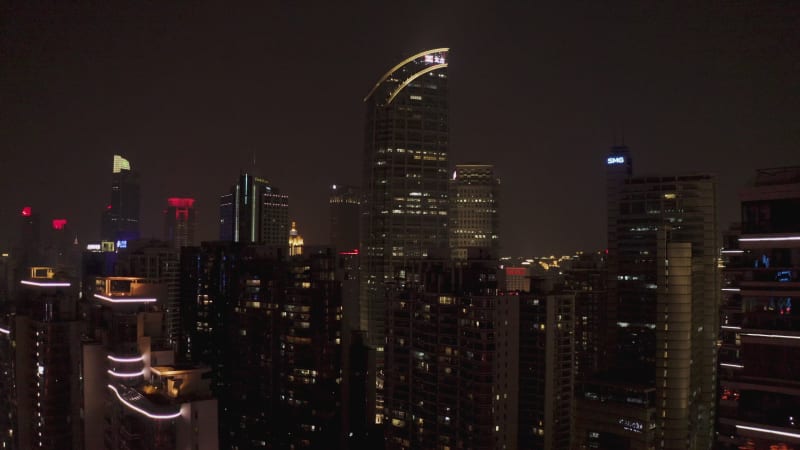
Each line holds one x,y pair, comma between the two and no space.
615,160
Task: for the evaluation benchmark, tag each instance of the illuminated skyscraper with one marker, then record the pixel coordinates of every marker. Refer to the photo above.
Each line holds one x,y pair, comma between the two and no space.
254,212
661,313
180,222
405,177
474,218
121,217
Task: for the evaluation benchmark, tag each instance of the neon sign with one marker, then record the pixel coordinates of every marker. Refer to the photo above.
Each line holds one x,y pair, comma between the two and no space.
434,59
615,160
122,244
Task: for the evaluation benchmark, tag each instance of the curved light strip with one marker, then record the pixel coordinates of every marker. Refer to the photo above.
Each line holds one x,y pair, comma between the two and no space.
46,284
4,331
124,299
126,360
125,374
412,78
768,431
401,64
141,411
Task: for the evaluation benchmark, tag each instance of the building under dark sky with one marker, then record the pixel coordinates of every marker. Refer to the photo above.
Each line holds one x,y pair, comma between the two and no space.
189,93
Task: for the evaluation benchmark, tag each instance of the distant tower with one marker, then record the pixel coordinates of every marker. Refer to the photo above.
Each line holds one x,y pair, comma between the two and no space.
180,222
474,218
405,176
254,212
121,217
344,203
295,241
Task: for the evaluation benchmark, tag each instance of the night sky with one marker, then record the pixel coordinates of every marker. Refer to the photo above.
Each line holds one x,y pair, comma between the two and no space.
188,93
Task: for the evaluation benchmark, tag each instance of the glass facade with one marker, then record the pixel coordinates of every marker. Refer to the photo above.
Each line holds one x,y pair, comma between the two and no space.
405,176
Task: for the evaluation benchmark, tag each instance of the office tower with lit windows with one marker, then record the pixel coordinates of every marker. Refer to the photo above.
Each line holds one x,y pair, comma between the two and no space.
663,299
405,176
759,359
120,220
474,203
45,338
254,212
135,393
180,222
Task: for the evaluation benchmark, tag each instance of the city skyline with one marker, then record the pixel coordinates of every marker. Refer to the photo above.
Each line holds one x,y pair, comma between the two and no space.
192,95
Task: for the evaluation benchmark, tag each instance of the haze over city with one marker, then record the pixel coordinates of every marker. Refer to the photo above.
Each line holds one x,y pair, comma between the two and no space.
190,93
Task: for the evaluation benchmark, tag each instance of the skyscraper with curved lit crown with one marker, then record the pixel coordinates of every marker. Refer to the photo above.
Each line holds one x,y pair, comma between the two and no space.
405,177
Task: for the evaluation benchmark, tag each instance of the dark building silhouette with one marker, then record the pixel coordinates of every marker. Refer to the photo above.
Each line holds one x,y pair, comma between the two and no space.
270,329
344,204
120,220
180,222
759,357
254,212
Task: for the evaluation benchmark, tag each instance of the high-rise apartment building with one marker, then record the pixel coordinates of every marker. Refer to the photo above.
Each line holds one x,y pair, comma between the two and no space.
120,220
180,222
451,359
254,212
270,329
474,203
546,368
135,393
157,261
45,352
663,296
759,357
405,176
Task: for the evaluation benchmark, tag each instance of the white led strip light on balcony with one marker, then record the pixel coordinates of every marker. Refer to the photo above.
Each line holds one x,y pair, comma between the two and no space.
768,431
125,374
124,299
126,360
46,284
141,411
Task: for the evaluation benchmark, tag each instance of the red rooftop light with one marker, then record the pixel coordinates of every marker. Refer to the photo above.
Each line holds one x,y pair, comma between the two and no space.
58,224
353,252
26,211
179,202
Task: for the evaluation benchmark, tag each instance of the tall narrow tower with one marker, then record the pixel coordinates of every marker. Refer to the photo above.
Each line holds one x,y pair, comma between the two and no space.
405,177
121,217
